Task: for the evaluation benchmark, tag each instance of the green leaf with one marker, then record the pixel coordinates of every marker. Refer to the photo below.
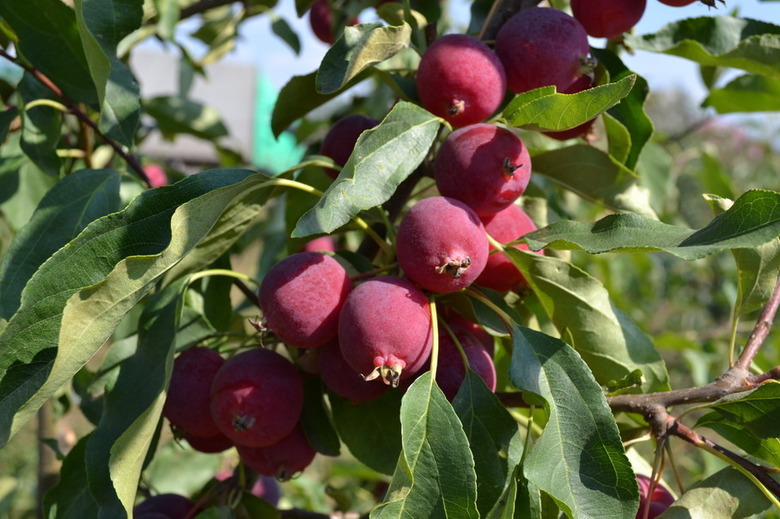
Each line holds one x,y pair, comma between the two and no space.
630,112
301,6
6,118
579,458
748,93
299,97
370,430
727,494
117,448
359,48
315,420
75,300
70,498
41,127
435,475
767,449
579,306
545,110
494,439
49,38
175,115
102,26
282,29
757,411
594,176
724,41
752,220
64,212
168,14
383,157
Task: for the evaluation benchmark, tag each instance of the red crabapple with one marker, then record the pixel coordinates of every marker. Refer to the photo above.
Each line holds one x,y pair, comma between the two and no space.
321,21
340,378
508,225
156,175
677,3
323,243
542,46
582,83
485,166
282,459
257,398
608,18
385,329
301,297
459,323
172,506
659,501
342,137
451,370
209,445
461,80
441,244
189,392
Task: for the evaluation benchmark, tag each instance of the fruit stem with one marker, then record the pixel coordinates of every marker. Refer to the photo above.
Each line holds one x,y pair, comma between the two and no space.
283,182
490,304
387,249
435,332
47,102
457,344
495,243
222,272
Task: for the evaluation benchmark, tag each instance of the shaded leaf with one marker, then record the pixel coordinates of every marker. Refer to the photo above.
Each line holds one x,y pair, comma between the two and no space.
593,175
383,157
282,29
724,41
435,475
102,26
315,420
545,110
494,439
727,494
757,411
6,118
64,211
748,93
41,127
370,430
175,115
767,449
359,48
630,112
132,409
49,37
70,498
76,299
752,220
579,306
579,458
299,97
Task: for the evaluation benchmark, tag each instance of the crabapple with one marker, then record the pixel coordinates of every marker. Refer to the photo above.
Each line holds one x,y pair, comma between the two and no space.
323,243
500,273
441,244
608,18
282,459
210,444
451,370
659,501
340,378
301,297
542,46
461,80
582,83
256,398
189,392
156,175
385,329
321,21
171,506
458,322
485,166
342,137
677,3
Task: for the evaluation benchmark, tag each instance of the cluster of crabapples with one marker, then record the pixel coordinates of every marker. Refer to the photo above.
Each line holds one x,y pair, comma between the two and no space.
369,335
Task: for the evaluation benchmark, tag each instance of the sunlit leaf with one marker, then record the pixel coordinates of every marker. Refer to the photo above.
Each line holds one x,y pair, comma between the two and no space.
748,93
579,458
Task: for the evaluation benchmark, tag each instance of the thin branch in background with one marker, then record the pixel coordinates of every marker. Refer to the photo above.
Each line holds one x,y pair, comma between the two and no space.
74,109
500,12
248,292
761,330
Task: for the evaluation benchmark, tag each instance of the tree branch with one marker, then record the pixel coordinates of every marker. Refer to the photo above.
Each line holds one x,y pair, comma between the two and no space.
80,115
761,330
